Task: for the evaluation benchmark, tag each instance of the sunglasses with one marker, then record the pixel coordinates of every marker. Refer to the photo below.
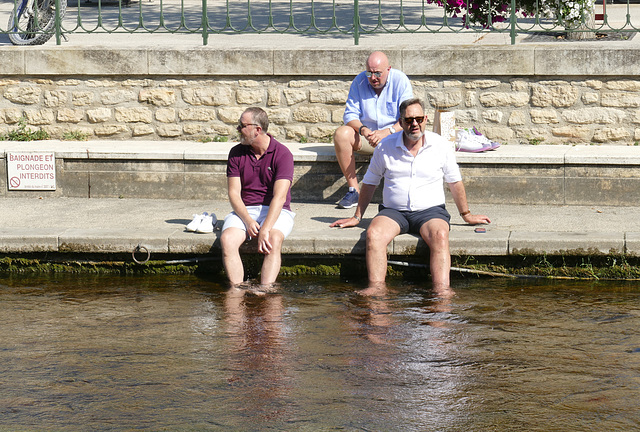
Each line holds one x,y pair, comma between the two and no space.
242,126
409,120
376,74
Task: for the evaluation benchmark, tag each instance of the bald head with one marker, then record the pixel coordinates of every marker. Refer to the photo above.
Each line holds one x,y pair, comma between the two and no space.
377,68
378,60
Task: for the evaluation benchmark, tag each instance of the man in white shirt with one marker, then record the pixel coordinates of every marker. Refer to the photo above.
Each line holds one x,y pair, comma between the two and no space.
371,114
414,164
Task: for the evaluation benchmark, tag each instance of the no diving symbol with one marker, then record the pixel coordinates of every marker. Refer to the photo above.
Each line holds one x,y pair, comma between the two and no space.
14,182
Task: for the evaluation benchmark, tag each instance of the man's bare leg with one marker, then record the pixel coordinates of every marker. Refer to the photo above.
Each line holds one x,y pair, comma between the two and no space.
231,240
436,234
272,261
379,234
347,141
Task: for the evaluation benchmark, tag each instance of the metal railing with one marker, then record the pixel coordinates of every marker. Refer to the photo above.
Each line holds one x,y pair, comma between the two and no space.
316,18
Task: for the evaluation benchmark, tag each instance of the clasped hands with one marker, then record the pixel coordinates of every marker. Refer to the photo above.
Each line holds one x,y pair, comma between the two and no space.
374,137
254,231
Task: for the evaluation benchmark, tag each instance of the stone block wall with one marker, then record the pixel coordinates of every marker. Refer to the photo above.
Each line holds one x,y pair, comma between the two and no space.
512,110
528,96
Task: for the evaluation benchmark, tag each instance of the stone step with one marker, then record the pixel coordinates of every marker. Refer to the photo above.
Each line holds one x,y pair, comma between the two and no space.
512,174
68,227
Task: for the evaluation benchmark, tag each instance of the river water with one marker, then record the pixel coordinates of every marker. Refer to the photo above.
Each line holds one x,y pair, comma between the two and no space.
169,353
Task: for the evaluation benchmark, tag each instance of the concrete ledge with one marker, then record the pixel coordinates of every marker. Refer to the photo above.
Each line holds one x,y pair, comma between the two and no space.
14,240
632,243
118,226
111,240
319,152
574,243
323,242
465,60
607,61
520,174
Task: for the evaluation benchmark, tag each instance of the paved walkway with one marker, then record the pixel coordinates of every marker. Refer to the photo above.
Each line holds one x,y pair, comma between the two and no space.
79,225
150,9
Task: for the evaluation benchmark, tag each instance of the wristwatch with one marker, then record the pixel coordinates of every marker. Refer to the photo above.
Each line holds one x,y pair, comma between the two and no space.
392,129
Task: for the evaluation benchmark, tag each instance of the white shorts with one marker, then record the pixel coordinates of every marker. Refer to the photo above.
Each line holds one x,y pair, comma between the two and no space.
284,223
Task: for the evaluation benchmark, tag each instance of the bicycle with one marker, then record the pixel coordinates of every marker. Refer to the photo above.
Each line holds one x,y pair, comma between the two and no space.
32,21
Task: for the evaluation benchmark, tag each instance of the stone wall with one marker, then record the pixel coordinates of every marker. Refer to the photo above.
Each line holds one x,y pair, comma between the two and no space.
121,104
512,110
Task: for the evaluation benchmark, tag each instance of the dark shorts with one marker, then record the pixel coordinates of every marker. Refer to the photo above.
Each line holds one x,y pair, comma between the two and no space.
412,221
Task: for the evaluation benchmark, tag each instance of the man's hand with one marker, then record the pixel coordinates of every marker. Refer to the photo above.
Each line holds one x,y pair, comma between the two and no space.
253,229
264,245
345,223
374,137
472,219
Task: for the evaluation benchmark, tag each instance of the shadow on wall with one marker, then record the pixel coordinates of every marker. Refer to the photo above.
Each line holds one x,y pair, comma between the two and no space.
322,181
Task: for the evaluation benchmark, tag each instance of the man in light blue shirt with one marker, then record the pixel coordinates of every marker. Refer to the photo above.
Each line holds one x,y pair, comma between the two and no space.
371,114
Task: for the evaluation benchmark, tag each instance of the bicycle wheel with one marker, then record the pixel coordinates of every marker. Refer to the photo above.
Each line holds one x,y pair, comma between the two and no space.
34,27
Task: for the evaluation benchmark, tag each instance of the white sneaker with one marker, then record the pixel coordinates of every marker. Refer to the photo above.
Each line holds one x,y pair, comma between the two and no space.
195,223
484,140
207,224
467,141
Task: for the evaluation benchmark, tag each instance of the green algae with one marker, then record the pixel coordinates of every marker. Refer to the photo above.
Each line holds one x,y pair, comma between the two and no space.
38,266
313,270
616,267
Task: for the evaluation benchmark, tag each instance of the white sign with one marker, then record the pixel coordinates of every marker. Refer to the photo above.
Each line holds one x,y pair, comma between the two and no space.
31,171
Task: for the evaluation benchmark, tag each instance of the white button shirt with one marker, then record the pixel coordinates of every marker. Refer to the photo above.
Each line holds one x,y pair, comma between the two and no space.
413,183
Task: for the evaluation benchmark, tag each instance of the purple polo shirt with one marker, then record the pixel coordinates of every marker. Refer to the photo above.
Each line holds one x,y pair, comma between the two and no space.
258,176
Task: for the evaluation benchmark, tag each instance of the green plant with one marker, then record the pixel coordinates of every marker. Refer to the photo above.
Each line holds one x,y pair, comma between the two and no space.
573,12
75,136
217,138
588,267
23,133
535,141
568,13
303,140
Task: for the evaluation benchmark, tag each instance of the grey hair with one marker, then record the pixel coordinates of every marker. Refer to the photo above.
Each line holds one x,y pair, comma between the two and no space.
408,102
259,116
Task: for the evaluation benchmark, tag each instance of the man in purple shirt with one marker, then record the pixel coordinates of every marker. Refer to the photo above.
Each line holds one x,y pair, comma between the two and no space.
259,177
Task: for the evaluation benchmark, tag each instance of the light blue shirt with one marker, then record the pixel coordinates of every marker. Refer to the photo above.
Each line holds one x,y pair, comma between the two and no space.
413,183
377,112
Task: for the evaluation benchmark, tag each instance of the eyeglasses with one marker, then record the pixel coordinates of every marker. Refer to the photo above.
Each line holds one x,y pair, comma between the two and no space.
376,74
409,120
242,126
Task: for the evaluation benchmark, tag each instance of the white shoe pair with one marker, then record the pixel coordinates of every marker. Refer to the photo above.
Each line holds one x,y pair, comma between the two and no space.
202,223
473,141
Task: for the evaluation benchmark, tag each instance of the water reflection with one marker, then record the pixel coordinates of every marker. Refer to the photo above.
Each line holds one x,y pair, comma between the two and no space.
182,353
258,371
372,315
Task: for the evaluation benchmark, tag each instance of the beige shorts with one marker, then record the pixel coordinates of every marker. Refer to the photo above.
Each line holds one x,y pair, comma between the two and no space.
365,147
